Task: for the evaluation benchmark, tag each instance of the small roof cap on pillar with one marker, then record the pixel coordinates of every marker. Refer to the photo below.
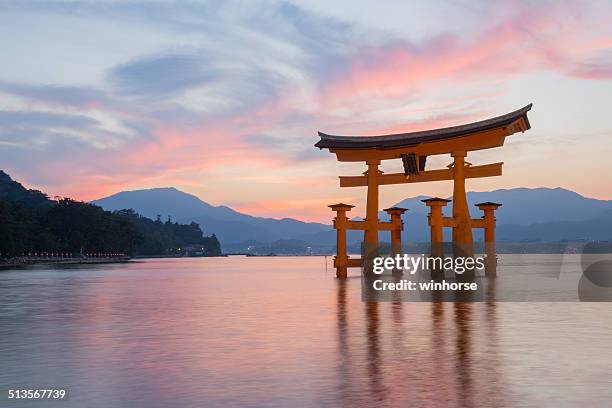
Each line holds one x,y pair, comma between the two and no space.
488,204
436,201
341,206
395,210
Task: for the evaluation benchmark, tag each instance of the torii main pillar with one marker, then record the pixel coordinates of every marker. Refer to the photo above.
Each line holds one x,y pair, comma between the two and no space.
462,230
370,237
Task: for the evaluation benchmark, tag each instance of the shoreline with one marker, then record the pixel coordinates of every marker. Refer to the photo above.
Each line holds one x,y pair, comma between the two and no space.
62,261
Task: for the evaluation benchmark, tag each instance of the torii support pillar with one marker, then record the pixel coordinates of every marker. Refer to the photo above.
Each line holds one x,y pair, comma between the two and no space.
397,225
341,260
488,208
435,218
436,222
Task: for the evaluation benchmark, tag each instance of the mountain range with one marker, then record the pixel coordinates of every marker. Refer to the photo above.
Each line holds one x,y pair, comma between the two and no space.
540,214
230,226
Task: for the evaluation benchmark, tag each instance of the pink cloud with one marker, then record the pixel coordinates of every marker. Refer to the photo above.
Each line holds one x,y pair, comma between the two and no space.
553,37
171,150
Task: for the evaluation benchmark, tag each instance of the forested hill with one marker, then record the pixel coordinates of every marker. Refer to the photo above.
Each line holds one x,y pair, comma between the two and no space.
169,237
14,192
30,222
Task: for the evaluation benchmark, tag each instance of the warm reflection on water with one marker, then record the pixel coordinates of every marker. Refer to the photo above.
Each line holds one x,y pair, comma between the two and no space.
222,332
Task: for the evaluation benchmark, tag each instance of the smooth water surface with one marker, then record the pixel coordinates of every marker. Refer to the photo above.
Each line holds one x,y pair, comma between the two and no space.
283,332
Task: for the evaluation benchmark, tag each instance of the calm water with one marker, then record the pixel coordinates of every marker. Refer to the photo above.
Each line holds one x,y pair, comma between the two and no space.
282,332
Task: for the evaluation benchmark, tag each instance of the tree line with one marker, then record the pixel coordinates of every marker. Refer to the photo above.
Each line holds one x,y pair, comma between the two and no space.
31,223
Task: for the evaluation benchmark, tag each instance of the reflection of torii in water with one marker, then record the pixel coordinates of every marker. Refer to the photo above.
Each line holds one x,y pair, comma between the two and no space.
413,148
424,354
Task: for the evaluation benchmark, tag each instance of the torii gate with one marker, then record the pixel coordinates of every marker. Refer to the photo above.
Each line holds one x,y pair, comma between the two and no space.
414,148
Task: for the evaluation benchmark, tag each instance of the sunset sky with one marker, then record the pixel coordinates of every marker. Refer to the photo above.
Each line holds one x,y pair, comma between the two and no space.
224,99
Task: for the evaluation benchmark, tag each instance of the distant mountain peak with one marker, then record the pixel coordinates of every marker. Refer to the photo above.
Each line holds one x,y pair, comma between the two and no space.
165,201
150,190
523,206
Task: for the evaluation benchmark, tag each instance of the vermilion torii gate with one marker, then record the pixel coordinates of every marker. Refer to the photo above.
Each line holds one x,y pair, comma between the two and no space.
413,149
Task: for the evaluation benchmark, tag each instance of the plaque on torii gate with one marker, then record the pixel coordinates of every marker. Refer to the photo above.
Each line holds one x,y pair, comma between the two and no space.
413,149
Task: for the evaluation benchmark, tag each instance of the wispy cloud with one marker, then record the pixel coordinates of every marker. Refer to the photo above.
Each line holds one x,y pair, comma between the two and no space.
37,129
56,95
161,75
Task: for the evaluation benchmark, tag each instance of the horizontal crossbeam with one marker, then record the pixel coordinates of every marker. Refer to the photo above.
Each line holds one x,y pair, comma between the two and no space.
355,262
362,225
478,223
449,222
486,170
